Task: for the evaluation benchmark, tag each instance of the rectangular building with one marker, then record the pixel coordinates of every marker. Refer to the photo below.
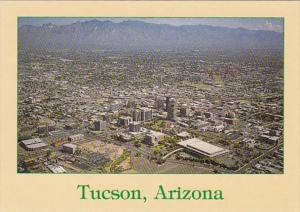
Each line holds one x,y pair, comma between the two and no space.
146,114
268,139
33,144
136,115
69,148
76,137
160,103
134,126
184,111
56,169
153,137
171,109
124,120
99,125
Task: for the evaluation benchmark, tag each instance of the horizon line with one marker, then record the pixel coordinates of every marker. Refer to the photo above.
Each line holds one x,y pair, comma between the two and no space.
96,19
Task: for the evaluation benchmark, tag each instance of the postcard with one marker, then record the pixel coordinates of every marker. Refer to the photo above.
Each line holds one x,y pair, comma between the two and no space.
149,106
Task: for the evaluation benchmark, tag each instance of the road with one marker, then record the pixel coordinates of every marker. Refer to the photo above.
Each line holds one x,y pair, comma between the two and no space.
171,153
255,160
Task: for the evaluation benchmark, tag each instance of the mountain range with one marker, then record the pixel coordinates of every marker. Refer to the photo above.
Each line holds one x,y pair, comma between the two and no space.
138,35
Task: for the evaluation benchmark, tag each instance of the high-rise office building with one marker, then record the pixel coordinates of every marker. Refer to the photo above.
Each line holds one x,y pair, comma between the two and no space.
167,102
172,109
99,125
160,103
134,126
124,121
136,115
146,114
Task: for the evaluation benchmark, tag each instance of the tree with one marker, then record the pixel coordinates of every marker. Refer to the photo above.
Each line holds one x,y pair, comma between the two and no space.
137,141
160,160
24,135
157,150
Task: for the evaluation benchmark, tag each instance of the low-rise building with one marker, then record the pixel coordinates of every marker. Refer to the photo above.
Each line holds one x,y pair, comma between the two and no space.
231,121
33,144
268,139
183,135
219,128
56,169
42,129
77,137
184,111
69,148
202,148
125,137
153,137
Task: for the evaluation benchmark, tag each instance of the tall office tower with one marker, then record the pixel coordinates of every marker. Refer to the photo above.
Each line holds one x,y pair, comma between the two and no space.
134,126
167,102
172,110
146,114
124,121
160,101
99,125
136,115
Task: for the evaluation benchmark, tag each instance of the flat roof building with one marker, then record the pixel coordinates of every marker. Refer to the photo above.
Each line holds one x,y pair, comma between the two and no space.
76,137
99,125
136,115
160,103
268,139
124,120
203,148
171,109
183,135
153,137
33,144
146,114
134,126
69,148
56,169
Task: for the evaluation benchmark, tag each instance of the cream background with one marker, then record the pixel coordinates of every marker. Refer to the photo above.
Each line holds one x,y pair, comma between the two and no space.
253,193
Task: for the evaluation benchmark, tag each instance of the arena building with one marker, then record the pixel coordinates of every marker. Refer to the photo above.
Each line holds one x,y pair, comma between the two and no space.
202,148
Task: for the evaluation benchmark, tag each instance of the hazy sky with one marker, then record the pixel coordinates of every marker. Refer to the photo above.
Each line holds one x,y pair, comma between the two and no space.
273,24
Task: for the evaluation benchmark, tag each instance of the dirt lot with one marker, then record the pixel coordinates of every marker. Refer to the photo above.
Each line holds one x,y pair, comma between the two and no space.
111,150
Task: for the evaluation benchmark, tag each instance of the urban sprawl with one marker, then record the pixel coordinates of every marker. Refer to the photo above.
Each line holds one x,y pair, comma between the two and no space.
149,112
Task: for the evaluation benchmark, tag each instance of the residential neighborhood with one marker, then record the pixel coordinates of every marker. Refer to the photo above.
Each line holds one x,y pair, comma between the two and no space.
150,112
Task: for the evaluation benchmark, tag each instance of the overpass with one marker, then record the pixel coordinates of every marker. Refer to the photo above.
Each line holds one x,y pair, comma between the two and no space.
171,153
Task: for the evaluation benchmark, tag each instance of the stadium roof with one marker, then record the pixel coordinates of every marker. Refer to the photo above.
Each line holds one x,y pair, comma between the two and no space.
202,147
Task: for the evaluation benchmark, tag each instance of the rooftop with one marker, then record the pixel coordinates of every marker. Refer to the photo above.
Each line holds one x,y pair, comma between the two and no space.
202,147
70,145
32,141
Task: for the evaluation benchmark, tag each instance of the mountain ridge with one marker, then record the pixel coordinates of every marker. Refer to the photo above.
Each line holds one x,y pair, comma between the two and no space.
95,34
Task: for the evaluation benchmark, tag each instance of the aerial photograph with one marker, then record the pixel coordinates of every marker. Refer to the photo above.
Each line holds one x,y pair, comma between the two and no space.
129,95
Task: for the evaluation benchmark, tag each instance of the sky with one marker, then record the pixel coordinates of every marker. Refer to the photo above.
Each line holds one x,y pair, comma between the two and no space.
271,24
